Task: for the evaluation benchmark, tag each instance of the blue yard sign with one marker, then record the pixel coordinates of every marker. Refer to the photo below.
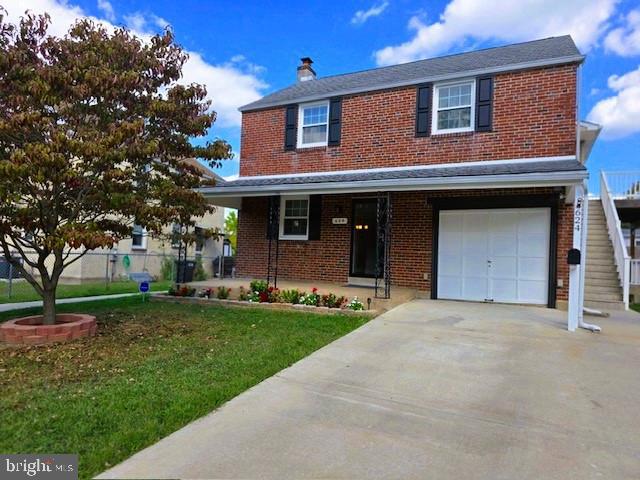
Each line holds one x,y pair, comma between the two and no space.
143,287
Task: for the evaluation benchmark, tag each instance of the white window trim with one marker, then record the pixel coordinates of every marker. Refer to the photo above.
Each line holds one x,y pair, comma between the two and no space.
434,107
301,125
283,199
144,241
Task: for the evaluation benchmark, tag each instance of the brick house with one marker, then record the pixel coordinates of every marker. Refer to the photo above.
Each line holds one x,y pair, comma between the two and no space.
456,176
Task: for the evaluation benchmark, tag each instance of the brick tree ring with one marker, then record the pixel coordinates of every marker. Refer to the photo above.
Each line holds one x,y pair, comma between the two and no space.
30,331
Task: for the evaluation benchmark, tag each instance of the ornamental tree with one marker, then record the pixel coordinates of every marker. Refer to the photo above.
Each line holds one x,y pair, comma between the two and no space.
93,132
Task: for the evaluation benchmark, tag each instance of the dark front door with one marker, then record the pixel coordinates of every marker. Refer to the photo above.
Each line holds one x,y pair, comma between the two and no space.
363,237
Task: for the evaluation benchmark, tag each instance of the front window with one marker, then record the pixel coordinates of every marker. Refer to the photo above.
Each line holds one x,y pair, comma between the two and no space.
176,236
294,218
138,237
200,240
312,131
453,109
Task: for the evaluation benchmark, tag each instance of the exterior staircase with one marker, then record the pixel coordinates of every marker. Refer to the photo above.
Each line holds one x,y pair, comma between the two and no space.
602,284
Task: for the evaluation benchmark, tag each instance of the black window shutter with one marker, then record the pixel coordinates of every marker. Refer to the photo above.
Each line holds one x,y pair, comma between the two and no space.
315,216
291,127
484,96
273,217
335,121
423,110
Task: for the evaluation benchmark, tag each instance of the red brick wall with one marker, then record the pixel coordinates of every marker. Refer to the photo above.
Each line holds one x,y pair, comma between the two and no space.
327,259
533,116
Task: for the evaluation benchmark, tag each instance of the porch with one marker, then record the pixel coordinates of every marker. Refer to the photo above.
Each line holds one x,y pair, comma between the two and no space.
490,231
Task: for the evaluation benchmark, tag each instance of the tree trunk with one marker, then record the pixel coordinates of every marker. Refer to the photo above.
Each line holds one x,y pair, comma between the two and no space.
49,306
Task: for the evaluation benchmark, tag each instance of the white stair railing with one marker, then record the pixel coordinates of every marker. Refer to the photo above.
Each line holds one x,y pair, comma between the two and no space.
635,272
624,184
623,261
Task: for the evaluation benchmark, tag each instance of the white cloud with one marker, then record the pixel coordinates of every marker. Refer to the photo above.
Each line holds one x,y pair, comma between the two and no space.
107,9
136,21
625,40
465,22
229,85
619,114
362,16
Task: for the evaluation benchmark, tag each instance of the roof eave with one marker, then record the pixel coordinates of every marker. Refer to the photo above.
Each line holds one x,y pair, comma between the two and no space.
519,180
434,78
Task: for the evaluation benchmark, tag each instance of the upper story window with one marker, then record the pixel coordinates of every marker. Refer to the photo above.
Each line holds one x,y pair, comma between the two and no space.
200,240
294,218
453,107
312,124
138,238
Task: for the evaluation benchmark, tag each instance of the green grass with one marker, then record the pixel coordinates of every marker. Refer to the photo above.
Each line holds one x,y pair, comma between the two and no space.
23,292
153,368
635,306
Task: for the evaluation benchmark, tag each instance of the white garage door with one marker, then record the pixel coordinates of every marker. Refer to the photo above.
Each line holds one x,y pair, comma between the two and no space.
499,255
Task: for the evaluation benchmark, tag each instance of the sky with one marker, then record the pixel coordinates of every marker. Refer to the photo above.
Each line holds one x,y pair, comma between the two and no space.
242,50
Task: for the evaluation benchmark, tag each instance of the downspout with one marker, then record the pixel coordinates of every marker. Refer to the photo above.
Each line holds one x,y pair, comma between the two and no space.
583,248
579,312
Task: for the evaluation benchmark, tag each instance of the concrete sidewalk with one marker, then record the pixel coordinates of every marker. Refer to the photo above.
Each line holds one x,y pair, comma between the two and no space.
7,307
430,389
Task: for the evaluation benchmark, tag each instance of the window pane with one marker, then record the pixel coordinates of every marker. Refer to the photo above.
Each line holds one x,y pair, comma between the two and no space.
313,115
457,118
295,226
454,96
295,208
316,134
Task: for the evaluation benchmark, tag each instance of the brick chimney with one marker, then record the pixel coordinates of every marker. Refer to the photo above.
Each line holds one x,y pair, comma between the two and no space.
305,72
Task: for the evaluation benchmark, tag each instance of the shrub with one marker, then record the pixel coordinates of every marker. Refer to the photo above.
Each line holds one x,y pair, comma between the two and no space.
167,268
198,273
259,286
205,293
355,304
291,296
331,300
243,295
182,291
223,293
254,297
312,298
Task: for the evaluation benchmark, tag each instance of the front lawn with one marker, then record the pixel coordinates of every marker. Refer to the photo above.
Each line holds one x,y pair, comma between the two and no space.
635,306
23,292
153,368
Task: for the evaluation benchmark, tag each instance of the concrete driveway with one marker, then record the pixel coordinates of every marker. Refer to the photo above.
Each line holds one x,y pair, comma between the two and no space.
430,389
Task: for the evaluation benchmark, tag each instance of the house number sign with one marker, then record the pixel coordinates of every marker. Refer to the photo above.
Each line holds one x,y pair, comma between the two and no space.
339,221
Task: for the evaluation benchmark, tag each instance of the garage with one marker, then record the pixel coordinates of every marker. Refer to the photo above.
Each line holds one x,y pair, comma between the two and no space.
494,255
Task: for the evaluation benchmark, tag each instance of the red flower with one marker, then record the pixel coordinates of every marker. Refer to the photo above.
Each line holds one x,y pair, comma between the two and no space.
314,290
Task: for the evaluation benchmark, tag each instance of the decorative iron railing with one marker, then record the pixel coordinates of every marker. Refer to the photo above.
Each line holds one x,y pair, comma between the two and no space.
623,261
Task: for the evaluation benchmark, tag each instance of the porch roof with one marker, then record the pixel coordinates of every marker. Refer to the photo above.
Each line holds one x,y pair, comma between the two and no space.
557,171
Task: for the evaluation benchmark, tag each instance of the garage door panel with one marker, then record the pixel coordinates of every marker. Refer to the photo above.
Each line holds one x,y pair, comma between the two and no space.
449,286
532,291
533,268
474,288
504,267
450,265
504,290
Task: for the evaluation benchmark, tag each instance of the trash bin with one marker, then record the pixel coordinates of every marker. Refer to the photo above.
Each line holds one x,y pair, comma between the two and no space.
184,270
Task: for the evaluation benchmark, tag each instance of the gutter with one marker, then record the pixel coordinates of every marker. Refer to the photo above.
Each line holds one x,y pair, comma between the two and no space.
415,81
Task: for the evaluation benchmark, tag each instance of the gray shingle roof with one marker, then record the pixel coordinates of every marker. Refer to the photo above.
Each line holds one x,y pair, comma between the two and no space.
506,168
549,51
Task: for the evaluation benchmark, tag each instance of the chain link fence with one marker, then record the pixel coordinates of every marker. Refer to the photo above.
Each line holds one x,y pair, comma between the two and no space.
98,273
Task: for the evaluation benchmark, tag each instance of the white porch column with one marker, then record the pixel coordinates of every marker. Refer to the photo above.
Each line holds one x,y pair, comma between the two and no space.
575,271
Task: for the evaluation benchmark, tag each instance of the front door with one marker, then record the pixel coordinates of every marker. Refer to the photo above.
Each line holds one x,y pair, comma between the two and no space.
364,227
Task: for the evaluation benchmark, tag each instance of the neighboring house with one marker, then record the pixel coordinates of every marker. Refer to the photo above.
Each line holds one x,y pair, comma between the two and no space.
144,253
455,176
